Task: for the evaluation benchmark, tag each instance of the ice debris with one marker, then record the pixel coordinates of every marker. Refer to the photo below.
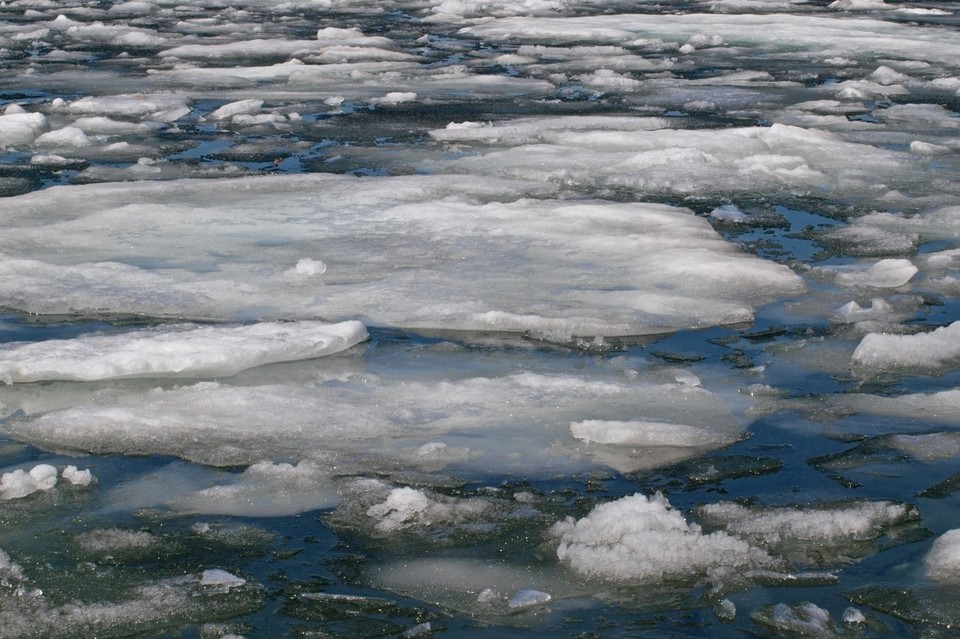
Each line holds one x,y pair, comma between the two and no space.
934,350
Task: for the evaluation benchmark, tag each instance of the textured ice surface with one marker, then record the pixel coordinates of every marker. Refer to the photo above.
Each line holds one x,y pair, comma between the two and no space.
418,252
643,539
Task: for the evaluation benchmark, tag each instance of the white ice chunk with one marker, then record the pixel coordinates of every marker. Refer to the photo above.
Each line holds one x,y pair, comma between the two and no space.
642,539
240,107
220,578
929,446
395,97
406,508
943,560
20,129
77,477
190,351
932,350
16,484
728,213
306,268
69,136
853,615
44,476
20,483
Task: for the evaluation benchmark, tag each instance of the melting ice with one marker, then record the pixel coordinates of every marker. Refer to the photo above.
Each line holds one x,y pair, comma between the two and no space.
376,318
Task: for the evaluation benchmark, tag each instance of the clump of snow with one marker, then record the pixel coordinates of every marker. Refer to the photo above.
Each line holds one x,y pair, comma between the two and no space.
888,273
77,477
305,268
933,350
186,351
20,483
643,539
853,615
389,510
943,560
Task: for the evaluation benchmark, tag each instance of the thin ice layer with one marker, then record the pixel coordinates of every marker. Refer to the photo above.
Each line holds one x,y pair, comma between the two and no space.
423,252
643,539
171,351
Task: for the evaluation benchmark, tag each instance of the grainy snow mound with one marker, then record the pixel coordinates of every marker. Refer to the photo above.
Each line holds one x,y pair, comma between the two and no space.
643,539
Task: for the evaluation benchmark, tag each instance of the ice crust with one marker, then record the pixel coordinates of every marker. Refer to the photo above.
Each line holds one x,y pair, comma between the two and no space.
185,351
415,252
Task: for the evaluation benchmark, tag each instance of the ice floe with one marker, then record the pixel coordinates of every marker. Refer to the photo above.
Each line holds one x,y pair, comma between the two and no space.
416,252
175,351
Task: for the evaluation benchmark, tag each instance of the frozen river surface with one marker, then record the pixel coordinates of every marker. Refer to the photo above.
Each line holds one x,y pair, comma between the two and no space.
477,318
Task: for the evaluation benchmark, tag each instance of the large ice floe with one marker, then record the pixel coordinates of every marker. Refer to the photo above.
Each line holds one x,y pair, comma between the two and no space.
424,253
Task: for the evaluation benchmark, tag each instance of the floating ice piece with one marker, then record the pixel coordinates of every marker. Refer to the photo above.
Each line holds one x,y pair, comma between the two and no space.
221,578
528,598
642,539
241,107
644,433
851,312
943,560
395,97
933,350
305,268
940,223
191,351
728,213
20,483
888,273
776,525
928,446
264,489
18,129
853,615
77,477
